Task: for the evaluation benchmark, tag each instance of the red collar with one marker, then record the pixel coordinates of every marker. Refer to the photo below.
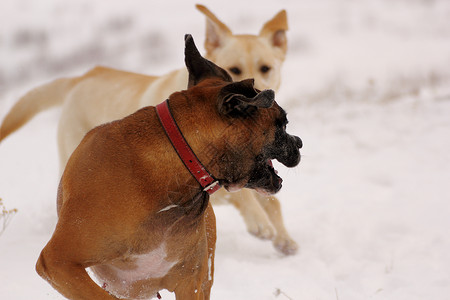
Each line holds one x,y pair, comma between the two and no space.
204,178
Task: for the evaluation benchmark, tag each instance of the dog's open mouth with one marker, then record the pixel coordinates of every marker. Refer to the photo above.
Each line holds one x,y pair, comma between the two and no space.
264,178
269,162
275,178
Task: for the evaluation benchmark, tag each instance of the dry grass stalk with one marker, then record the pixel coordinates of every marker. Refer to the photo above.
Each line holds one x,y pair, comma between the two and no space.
5,216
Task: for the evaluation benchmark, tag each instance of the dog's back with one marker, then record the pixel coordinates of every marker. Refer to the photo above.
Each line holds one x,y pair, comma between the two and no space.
103,94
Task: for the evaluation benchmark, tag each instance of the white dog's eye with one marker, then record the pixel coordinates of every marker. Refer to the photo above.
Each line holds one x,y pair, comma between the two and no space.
264,69
235,71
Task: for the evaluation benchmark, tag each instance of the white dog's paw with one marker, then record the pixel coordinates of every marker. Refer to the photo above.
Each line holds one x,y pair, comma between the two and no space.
261,228
285,245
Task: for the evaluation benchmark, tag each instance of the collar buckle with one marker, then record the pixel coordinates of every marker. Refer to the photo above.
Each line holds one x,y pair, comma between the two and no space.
213,187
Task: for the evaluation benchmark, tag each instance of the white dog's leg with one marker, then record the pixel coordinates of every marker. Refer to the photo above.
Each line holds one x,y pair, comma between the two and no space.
282,241
255,217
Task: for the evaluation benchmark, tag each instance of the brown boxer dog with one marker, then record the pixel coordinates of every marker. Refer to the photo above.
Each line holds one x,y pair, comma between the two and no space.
136,215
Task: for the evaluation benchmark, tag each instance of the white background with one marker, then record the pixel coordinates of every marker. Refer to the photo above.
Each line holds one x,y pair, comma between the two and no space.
366,85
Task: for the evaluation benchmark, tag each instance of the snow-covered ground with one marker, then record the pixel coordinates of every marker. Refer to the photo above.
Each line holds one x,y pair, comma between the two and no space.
367,87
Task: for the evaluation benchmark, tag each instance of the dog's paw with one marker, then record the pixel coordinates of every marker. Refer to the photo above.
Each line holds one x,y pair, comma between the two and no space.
261,229
285,245
263,232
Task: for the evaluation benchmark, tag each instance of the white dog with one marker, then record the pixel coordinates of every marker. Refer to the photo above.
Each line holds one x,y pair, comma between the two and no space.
103,95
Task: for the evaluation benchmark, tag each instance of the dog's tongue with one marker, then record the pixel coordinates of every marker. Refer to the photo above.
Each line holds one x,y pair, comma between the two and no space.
269,162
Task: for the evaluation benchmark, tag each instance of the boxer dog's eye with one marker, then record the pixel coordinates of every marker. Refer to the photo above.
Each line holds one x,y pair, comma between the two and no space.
282,121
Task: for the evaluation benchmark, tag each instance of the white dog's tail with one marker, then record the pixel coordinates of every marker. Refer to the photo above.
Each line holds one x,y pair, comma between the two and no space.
35,101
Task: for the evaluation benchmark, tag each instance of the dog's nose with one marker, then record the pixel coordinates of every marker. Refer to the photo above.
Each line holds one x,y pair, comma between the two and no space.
299,142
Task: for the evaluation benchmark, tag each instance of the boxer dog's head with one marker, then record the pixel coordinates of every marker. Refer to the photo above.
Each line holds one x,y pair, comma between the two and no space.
245,126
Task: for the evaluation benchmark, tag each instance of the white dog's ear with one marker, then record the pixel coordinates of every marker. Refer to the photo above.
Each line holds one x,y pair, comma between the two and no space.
275,30
216,31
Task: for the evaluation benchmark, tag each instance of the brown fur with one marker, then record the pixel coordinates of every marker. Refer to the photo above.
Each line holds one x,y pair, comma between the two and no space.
131,212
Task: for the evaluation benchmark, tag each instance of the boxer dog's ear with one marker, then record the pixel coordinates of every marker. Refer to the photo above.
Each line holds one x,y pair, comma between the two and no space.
198,67
241,98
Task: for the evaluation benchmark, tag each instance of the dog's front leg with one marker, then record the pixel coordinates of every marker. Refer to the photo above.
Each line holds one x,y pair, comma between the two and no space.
68,278
282,240
198,287
255,217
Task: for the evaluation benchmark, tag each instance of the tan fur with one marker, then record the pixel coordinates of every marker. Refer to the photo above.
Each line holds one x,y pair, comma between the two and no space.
35,101
105,94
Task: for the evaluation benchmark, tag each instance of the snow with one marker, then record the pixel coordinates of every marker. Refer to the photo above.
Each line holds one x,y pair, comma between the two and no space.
366,85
